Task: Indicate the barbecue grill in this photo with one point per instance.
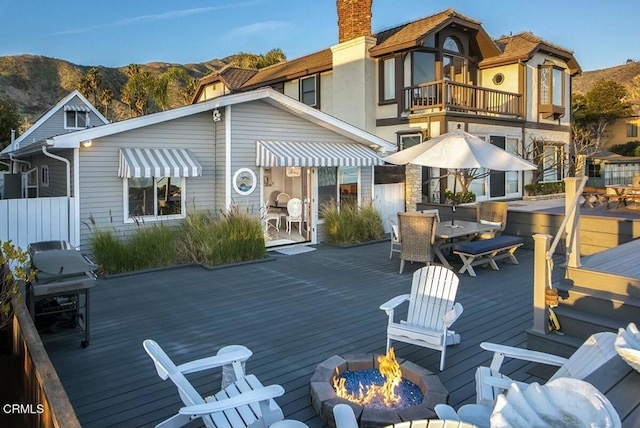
(61, 287)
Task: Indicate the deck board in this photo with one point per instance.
(621, 260)
(293, 313)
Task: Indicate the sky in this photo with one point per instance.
(116, 33)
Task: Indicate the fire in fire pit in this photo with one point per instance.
(324, 396)
(378, 388)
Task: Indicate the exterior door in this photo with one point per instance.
(497, 179)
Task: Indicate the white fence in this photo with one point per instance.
(24, 221)
(389, 199)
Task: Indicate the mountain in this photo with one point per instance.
(36, 83)
(622, 74)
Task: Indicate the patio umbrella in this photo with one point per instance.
(458, 150)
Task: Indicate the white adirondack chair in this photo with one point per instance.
(593, 353)
(345, 418)
(432, 310)
(244, 403)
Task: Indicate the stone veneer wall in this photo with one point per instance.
(413, 187)
(354, 19)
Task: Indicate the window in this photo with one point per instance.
(409, 140)
(338, 184)
(152, 197)
(551, 82)
(388, 80)
(423, 67)
(552, 162)
(452, 45)
(75, 119)
(44, 172)
(593, 170)
(632, 130)
(308, 91)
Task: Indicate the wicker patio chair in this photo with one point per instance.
(417, 234)
(495, 214)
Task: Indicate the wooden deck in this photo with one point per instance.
(622, 260)
(293, 312)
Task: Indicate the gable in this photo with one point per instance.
(53, 122)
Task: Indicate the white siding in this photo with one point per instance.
(101, 190)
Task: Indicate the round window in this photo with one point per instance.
(498, 78)
(244, 181)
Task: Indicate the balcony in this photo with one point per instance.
(444, 95)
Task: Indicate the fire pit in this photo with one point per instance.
(375, 413)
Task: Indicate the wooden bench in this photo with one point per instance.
(595, 196)
(487, 251)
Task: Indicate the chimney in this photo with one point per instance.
(354, 19)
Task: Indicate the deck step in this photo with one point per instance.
(604, 281)
(582, 325)
(604, 303)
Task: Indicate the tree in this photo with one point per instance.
(591, 113)
(257, 61)
(633, 93)
(94, 80)
(9, 119)
(601, 106)
(186, 84)
(106, 96)
(138, 90)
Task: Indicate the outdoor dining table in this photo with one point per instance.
(624, 193)
(448, 235)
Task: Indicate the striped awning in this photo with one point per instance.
(70, 107)
(139, 163)
(288, 153)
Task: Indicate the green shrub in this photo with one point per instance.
(232, 237)
(350, 225)
(544, 188)
(630, 148)
(149, 247)
(109, 253)
(459, 197)
(153, 247)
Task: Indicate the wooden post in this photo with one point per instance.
(572, 242)
(541, 244)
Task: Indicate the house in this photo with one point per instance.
(238, 149)
(426, 77)
(73, 113)
(623, 131)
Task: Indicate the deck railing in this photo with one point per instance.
(444, 95)
(544, 250)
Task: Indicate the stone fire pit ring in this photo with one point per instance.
(324, 397)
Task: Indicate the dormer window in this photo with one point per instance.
(309, 91)
(551, 91)
(76, 117)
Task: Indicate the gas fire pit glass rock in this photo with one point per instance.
(324, 397)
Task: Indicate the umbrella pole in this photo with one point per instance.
(453, 200)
